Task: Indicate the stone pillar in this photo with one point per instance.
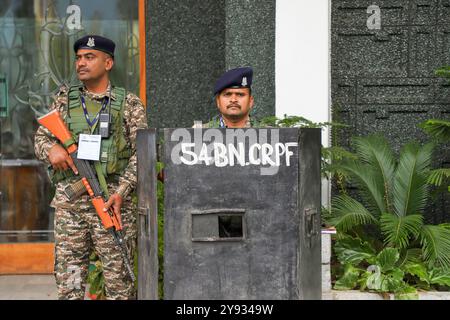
(190, 43)
(185, 54)
(250, 41)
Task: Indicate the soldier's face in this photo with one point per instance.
(235, 103)
(92, 64)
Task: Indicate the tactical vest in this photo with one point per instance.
(114, 154)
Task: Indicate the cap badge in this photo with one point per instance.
(244, 82)
(91, 42)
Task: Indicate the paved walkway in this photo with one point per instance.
(27, 287)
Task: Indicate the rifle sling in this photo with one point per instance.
(101, 178)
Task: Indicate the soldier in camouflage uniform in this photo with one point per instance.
(234, 100)
(78, 228)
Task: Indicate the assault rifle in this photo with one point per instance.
(110, 220)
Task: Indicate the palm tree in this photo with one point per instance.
(439, 130)
(393, 196)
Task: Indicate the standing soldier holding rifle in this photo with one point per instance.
(99, 146)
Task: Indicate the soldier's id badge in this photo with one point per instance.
(89, 146)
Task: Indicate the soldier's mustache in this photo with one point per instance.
(233, 105)
(82, 69)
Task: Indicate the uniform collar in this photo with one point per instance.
(98, 96)
(248, 123)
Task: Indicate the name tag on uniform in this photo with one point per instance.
(89, 146)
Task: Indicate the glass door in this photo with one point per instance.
(36, 57)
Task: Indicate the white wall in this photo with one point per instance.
(302, 60)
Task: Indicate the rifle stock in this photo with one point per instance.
(53, 122)
(110, 220)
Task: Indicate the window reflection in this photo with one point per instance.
(36, 57)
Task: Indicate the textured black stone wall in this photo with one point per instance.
(185, 54)
(383, 80)
(250, 41)
(190, 43)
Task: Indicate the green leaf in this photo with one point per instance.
(398, 230)
(417, 269)
(440, 276)
(394, 280)
(376, 152)
(410, 190)
(362, 281)
(353, 251)
(413, 255)
(270, 121)
(159, 166)
(437, 176)
(348, 213)
(294, 121)
(349, 279)
(437, 128)
(445, 225)
(443, 72)
(387, 258)
(369, 184)
(336, 153)
(407, 293)
(435, 241)
(332, 158)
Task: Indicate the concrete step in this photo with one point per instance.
(27, 287)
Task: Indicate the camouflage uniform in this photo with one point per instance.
(78, 229)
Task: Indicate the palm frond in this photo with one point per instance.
(443, 72)
(437, 176)
(332, 158)
(398, 230)
(437, 128)
(375, 151)
(349, 213)
(413, 255)
(435, 241)
(335, 154)
(369, 185)
(410, 190)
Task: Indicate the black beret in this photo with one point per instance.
(234, 78)
(95, 42)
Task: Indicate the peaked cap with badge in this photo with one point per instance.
(95, 42)
(234, 78)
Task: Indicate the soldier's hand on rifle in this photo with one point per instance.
(60, 159)
(115, 201)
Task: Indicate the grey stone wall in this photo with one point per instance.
(250, 41)
(383, 79)
(190, 43)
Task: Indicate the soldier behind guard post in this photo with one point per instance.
(78, 228)
(233, 96)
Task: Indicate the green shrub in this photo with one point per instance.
(383, 243)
